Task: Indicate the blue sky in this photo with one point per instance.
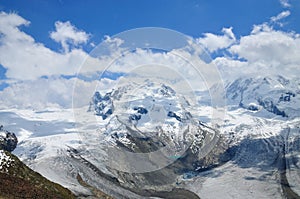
(108, 17)
(43, 43)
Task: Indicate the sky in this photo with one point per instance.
(44, 43)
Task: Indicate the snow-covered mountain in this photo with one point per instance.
(152, 119)
(274, 94)
(256, 149)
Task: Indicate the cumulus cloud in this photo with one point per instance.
(229, 63)
(264, 51)
(214, 42)
(37, 94)
(8, 24)
(269, 46)
(49, 92)
(285, 3)
(26, 59)
(67, 34)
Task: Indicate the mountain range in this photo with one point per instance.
(255, 149)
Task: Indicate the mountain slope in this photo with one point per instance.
(17, 180)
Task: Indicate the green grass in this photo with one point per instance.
(22, 182)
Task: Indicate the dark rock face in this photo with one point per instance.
(8, 140)
(134, 117)
(191, 161)
(172, 114)
(286, 97)
(141, 110)
(167, 91)
(269, 106)
(253, 107)
(102, 105)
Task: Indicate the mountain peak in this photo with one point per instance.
(274, 94)
(8, 140)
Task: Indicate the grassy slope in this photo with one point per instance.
(22, 182)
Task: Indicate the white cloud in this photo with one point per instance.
(264, 51)
(37, 94)
(229, 63)
(231, 68)
(269, 46)
(52, 92)
(285, 3)
(214, 42)
(67, 34)
(280, 16)
(8, 24)
(26, 59)
(176, 64)
(268, 51)
(261, 28)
